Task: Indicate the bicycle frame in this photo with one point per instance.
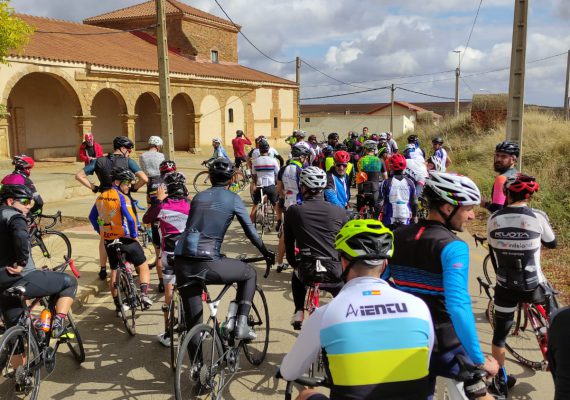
(313, 298)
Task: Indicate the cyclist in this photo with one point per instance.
(265, 170)
(440, 153)
(219, 152)
(375, 170)
(337, 191)
(89, 150)
(238, 143)
(301, 142)
(515, 234)
(17, 267)
(416, 167)
(376, 340)
(332, 139)
(23, 165)
(392, 143)
(431, 262)
(399, 194)
(292, 140)
(413, 149)
(559, 353)
(113, 217)
(311, 226)
(198, 250)
(254, 153)
(326, 158)
(316, 148)
(103, 168)
(434, 164)
(364, 135)
(383, 143)
(506, 154)
(353, 146)
(171, 212)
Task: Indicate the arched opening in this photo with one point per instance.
(107, 107)
(42, 108)
(234, 108)
(183, 122)
(211, 121)
(147, 108)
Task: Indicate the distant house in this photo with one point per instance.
(342, 118)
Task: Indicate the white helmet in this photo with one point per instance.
(314, 178)
(155, 141)
(217, 140)
(301, 133)
(370, 145)
(383, 136)
(454, 189)
(436, 161)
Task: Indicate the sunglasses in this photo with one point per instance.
(341, 165)
(25, 202)
(126, 182)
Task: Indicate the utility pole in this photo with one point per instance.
(515, 108)
(298, 80)
(567, 95)
(392, 90)
(166, 130)
(457, 75)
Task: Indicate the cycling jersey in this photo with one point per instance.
(171, 215)
(373, 166)
(416, 169)
(265, 168)
(289, 177)
(393, 146)
(431, 262)
(113, 216)
(441, 153)
(150, 163)
(15, 240)
(515, 234)
(238, 144)
(254, 153)
(400, 201)
(17, 178)
(103, 168)
(498, 197)
(337, 191)
(376, 342)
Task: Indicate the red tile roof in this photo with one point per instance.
(73, 42)
(148, 9)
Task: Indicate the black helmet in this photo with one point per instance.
(221, 171)
(437, 140)
(353, 134)
(239, 132)
(412, 139)
(167, 166)
(333, 136)
(341, 147)
(176, 184)
(299, 150)
(122, 174)
(16, 192)
(264, 146)
(122, 141)
(508, 147)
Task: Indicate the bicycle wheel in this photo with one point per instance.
(201, 181)
(49, 249)
(239, 181)
(125, 296)
(258, 220)
(269, 218)
(489, 270)
(200, 364)
(74, 343)
(258, 319)
(176, 327)
(19, 365)
(521, 341)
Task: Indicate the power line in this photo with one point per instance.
(470, 33)
(467, 84)
(430, 95)
(332, 77)
(386, 79)
(345, 94)
(249, 41)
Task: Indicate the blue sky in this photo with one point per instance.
(371, 40)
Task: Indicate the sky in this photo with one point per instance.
(370, 44)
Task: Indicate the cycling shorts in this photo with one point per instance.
(269, 191)
(132, 250)
(507, 300)
(155, 235)
(168, 274)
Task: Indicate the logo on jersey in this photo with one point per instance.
(511, 235)
(371, 293)
(377, 309)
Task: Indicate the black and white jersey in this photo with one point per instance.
(515, 235)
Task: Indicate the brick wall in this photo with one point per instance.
(206, 38)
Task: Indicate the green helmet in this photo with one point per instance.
(365, 239)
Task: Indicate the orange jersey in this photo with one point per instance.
(113, 216)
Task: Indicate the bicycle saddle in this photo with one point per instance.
(16, 291)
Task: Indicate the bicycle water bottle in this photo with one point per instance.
(45, 320)
(231, 318)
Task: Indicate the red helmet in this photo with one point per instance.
(341, 157)
(523, 184)
(23, 163)
(398, 162)
(167, 166)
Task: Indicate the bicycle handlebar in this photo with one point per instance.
(479, 239)
(268, 265)
(485, 286)
(55, 218)
(312, 382)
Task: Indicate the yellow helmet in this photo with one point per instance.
(365, 239)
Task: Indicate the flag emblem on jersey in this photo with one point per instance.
(371, 293)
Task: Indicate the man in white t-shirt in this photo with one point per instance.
(264, 171)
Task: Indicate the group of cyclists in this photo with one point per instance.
(399, 283)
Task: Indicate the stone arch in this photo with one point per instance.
(147, 109)
(183, 122)
(108, 107)
(235, 104)
(211, 120)
(44, 108)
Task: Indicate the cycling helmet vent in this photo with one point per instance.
(313, 178)
(508, 147)
(365, 240)
(454, 189)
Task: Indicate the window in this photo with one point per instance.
(214, 56)
(307, 119)
(231, 115)
(275, 122)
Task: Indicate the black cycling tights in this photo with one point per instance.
(218, 272)
(299, 290)
(37, 284)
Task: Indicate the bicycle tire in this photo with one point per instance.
(201, 181)
(176, 327)
(258, 319)
(258, 220)
(17, 336)
(56, 246)
(489, 270)
(127, 310)
(240, 180)
(194, 376)
(77, 350)
(521, 342)
(147, 245)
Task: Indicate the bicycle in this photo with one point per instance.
(238, 183)
(49, 246)
(488, 266)
(144, 235)
(210, 349)
(264, 215)
(25, 347)
(531, 320)
(128, 295)
(470, 380)
(176, 326)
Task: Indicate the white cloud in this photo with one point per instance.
(345, 54)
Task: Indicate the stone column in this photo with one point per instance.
(128, 121)
(4, 136)
(195, 146)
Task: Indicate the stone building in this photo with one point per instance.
(102, 77)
